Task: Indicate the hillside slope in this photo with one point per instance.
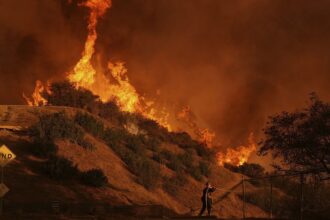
(33, 191)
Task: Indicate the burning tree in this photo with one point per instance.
(301, 139)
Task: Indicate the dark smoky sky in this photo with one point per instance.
(233, 61)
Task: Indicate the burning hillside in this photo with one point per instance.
(113, 84)
(237, 156)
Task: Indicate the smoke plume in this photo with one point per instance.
(233, 62)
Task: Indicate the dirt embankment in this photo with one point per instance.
(33, 191)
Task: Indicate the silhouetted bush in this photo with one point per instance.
(249, 169)
(186, 159)
(171, 160)
(57, 126)
(136, 144)
(115, 137)
(175, 164)
(204, 167)
(252, 170)
(167, 155)
(111, 112)
(131, 149)
(53, 127)
(156, 157)
(182, 162)
(66, 94)
(172, 184)
(182, 139)
(44, 148)
(196, 173)
(86, 144)
(146, 170)
(153, 128)
(60, 168)
(90, 124)
(205, 152)
(149, 175)
(94, 177)
(153, 144)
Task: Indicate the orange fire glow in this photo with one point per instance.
(121, 91)
(83, 73)
(239, 155)
(204, 135)
(118, 88)
(36, 98)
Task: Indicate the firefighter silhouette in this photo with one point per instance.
(207, 199)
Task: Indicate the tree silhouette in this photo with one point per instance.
(301, 139)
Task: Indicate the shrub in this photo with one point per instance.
(136, 144)
(53, 127)
(175, 164)
(94, 177)
(57, 126)
(115, 137)
(158, 158)
(166, 154)
(44, 148)
(182, 139)
(149, 175)
(154, 144)
(204, 152)
(252, 170)
(195, 172)
(146, 170)
(90, 124)
(153, 128)
(204, 167)
(186, 159)
(111, 112)
(86, 144)
(66, 94)
(172, 184)
(60, 168)
(249, 169)
(172, 161)
(132, 153)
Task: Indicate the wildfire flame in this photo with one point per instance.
(83, 73)
(239, 155)
(124, 93)
(204, 135)
(36, 98)
(121, 91)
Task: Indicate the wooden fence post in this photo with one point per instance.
(243, 189)
(301, 196)
(271, 199)
(1, 199)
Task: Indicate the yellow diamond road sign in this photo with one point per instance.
(3, 190)
(6, 155)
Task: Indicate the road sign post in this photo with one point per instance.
(6, 156)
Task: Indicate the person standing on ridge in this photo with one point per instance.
(207, 199)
